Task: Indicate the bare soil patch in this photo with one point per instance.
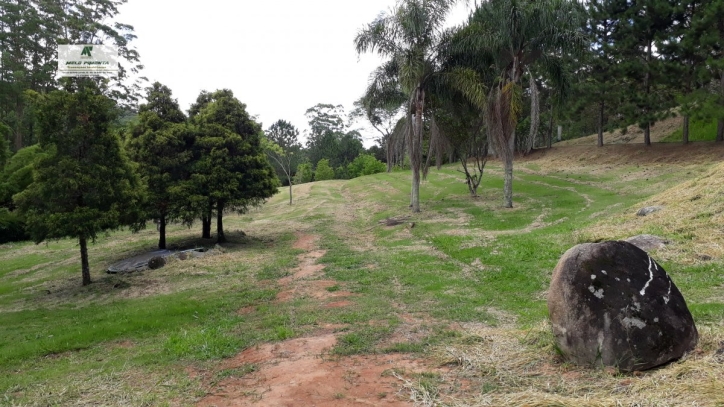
(299, 372)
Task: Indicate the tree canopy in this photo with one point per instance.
(84, 185)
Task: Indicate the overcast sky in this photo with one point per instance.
(278, 57)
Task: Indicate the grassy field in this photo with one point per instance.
(471, 275)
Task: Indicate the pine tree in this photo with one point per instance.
(642, 28)
(600, 83)
(160, 143)
(84, 185)
(230, 170)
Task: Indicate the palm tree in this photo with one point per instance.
(414, 42)
(515, 37)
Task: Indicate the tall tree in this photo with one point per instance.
(31, 30)
(382, 112)
(514, 35)
(231, 171)
(599, 79)
(644, 27)
(414, 42)
(283, 147)
(84, 185)
(161, 144)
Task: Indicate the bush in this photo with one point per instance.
(365, 164)
(342, 172)
(323, 171)
(12, 228)
(304, 173)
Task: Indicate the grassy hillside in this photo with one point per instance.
(460, 287)
(698, 131)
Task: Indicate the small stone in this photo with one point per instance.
(156, 262)
(183, 256)
(649, 210)
(647, 242)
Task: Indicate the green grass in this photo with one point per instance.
(465, 260)
(699, 130)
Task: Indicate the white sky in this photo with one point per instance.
(278, 57)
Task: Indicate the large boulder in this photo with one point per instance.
(611, 304)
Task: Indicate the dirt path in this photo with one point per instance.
(303, 371)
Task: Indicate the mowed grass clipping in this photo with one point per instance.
(462, 283)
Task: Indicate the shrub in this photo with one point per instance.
(12, 227)
(304, 173)
(323, 171)
(365, 164)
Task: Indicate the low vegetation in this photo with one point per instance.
(464, 288)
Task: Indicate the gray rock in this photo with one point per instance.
(156, 262)
(647, 242)
(649, 210)
(611, 304)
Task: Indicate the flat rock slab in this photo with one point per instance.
(611, 304)
(140, 262)
(137, 263)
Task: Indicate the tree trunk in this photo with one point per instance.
(647, 80)
(416, 149)
(290, 190)
(85, 268)
(18, 125)
(162, 232)
(206, 223)
(220, 237)
(685, 131)
(508, 186)
(534, 115)
(389, 150)
(647, 134)
(550, 129)
(600, 123)
(720, 122)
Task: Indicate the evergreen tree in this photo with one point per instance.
(687, 53)
(643, 28)
(323, 171)
(4, 144)
(84, 185)
(599, 84)
(30, 32)
(18, 174)
(230, 170)
(161, 144)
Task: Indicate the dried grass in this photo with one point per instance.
(521, 368)
(633, 134)
(693, 216)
